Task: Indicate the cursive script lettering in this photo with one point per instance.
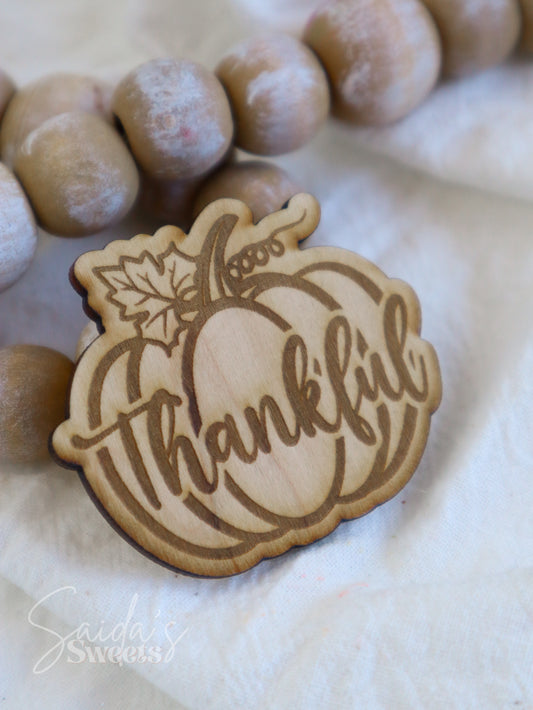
(375, 377)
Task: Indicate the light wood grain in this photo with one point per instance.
(245, 395)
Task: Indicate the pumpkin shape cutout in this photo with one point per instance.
(244, 395)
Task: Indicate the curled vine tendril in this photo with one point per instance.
(254, 255)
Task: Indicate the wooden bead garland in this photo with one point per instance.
(381, 58)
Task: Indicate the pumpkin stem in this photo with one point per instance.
(211, 265)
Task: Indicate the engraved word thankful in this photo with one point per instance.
(391, 379)
(245, 395)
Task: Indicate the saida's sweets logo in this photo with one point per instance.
(245, 395)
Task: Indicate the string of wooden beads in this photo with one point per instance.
(77, 155)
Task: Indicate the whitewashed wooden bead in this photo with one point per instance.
(46, 97)
(18, 230)
(476, 34)
(78, 174)
(33, 390)
(382, 56)
(279, 93)
(264, 187)
(176, 118)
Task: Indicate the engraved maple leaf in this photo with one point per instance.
(159, 294)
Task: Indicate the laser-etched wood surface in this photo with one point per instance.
(245, 395)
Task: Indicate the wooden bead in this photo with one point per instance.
(279, 93)
(526, 38)
(7, 89)
(18, 231)
(78, 174)
(476, 34)
(168, 201)
(34, 382)
(382, 56)
(87, 335)
(176, 117)
(264, 187)
(49, 96)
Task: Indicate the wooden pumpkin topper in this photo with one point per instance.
(245, 396)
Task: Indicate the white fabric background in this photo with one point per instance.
(428, 601)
